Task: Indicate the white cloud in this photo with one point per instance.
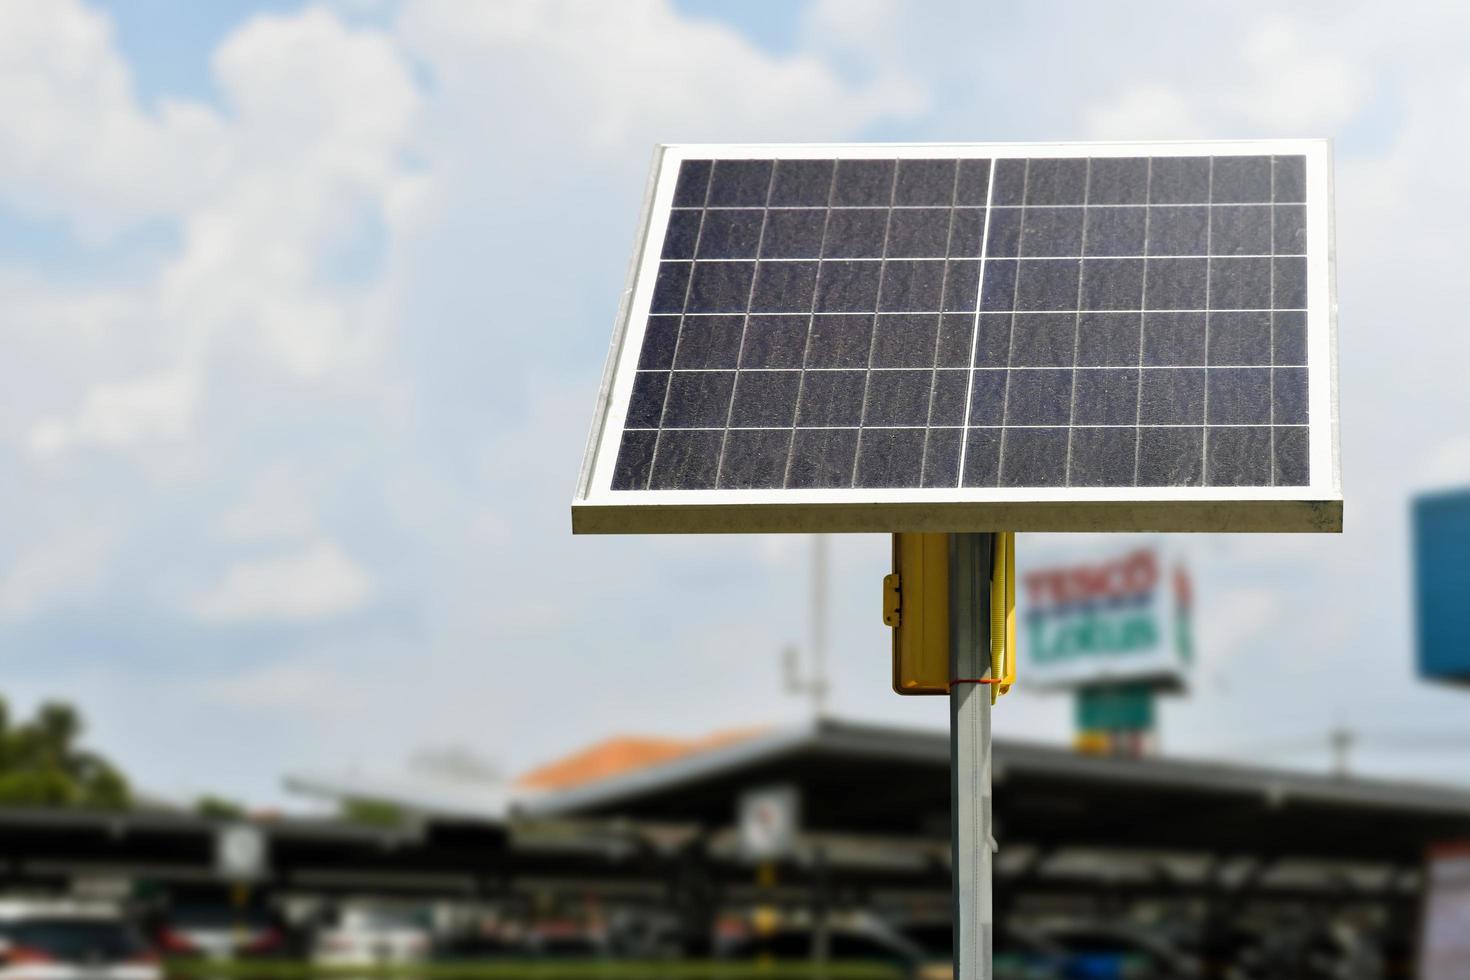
(276, 505)
(317, 582)
(123, 415)
(66, 565)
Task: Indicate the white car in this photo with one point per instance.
(71, 941)
(368, 935)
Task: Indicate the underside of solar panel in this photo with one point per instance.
(881, 337)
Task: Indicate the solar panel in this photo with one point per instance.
(970, 337)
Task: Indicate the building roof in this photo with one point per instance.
(625, 754)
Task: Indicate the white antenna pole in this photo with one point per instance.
(819, 624)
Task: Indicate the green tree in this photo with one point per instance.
(41, 763)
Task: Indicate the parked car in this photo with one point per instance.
(70, 941)
(221, 932)
(368, 935)
(1094, 952)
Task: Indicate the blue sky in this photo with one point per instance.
(304, 307)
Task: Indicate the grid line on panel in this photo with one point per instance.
(1271, 331)
(744, 327)
(975, 329)
(1077, 321)
(954, 189)
(811, 326)
(1019, 367)
(1200, 309)
(1000, 466)
(683, 311)
(999, 207)
(1027, 425)
(1209, 261)
(1016, 258)
(873, 333)
(1142, 319)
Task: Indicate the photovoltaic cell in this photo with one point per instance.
(1044, 322)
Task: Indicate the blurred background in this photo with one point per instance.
(303, 308)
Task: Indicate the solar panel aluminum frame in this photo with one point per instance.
(1317, 507)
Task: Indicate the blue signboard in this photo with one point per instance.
(1442, 587)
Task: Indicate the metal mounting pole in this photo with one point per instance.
(969, 755)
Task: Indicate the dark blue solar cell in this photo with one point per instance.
(1240, 338)
(659, 339)
(1112, 284)
(774, 341)
(947, 405)
(840, 341)
(905, 340)
(765, 398)
(754, 458)
(1239, 396)
(793, 234)
(1115, 231)
(980, 457)
(911, 285)
(1289, 394)
(956, 334)
(1290, 283)
(1003, 239)
(993, 340)
(1102, 457)
(1171, 396)
(831, 398)
(709, 342)
(692, 184)
(670, 287)
(1291, 457)
(635, 459)
(848, 287)
(698, 399)
(1242, 229)
(942, 457)
(924, 182)
(987, 397)
(1118, 180)
(1051, 232)
(1034, 457)
(1108, 338)
(1241, 179)
(1056, 180)
(898, 398)
(1010, 182)
(1039, 397)
(1238, 457)
(1172, 457)
(802, 183)
(1178, 231)
(1179, 180)
(740, 183)
(646, 403)
(961, 286)
(822, 458)
(1289, 337)
(720, 287)
(1047, 284)
(1043, 340)
(1106, 396)
(1175, 284)
(918, 233)
(1291, 179)
(1240, 284)
(998, 292)
(973, 182)
(1173, 339)
(1290, 234)
(856, 233)
(682, 234)
(966, 231)
(890, 457)
(784, 287)
(686, 460)
(863, 183)
(734, 234)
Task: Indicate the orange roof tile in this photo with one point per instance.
(623, 754)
